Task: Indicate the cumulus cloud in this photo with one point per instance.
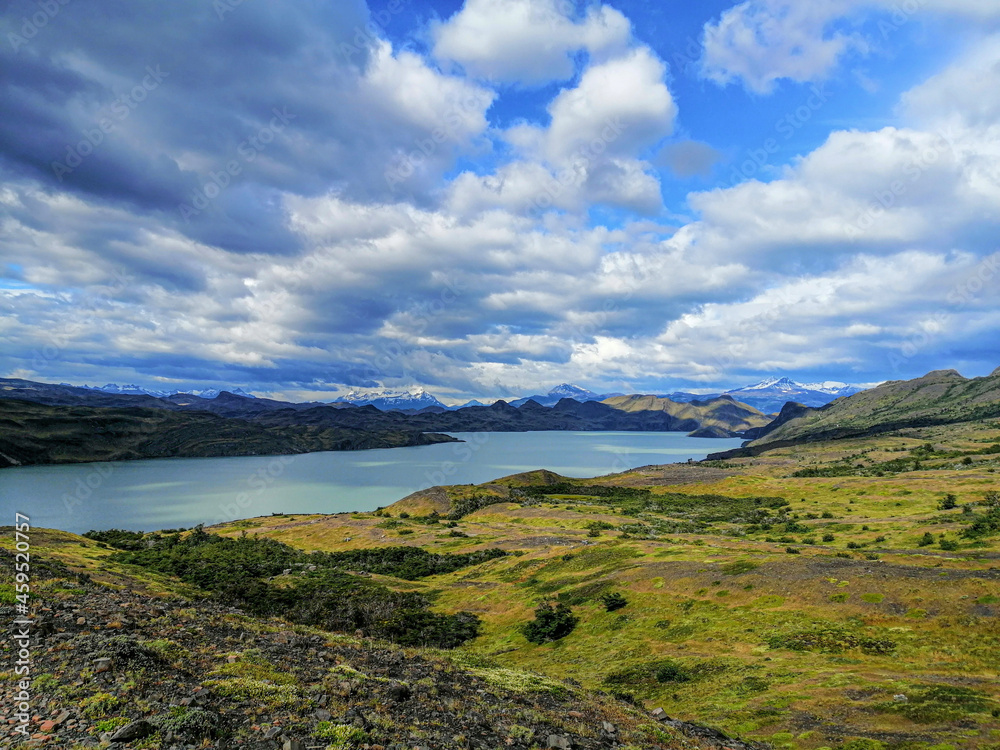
(351, 250)
(273, 101)
(590, 151)
(527, 41)
(760, 41)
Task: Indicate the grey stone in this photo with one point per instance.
(322, 714)
(608, 727)
(293, 745)
(660, 715)
(136, 730)
(560, 742)
(272, 733)
(102, 664)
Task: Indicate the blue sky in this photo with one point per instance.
(490, 197)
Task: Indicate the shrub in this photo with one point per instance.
(828, 537)
(948, 544)
(671, 671)
(793, 551)
(739, 567)
(343, 736)
(613, 601)
(830, 640)
(100, 704)
(933, 704)
(552, 622)
(862, 743)
(190, 722)
(926, 540)
(110, 725)
(950, 501)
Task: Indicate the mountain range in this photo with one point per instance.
(939, 397)
(46, 423)
(771, 394)
(768, 396)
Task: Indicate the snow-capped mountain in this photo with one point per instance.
(214, 393)
(770, 394)
(389, 400)
(135, 390)
(127, 390)
(565, 390)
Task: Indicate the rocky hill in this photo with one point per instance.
(32, 433)
(717, 417)
(938, 398)
(130, 670)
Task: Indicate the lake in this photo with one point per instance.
(172, 492)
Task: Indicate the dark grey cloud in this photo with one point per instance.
(218, 108)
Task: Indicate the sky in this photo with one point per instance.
(488, 198)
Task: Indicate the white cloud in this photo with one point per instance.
(623, 102)
(589, 153)
(760, 41)
(526, 41)
(965, 93)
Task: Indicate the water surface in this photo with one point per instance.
(167, 493)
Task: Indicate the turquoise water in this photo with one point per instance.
(166, 493)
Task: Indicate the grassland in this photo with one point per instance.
(806, 596)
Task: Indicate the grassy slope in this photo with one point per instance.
(721, 412)
(685, 604)
(938, 397)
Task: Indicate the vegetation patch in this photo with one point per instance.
(831, 640)
(239, 571)
(934, 704)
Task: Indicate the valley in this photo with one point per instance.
(823, 595)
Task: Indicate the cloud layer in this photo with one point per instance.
(291, 201)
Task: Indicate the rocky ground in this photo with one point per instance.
(124, 670)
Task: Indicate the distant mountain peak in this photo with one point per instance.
(388, 399)
(131, 389)
(569, 390)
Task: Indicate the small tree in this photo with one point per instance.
(950, 502)
(614, 601)
(552, 622)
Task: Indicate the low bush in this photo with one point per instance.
(613, 601)
(552, 622)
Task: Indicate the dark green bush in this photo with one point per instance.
(613, 601)
(552, 622)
